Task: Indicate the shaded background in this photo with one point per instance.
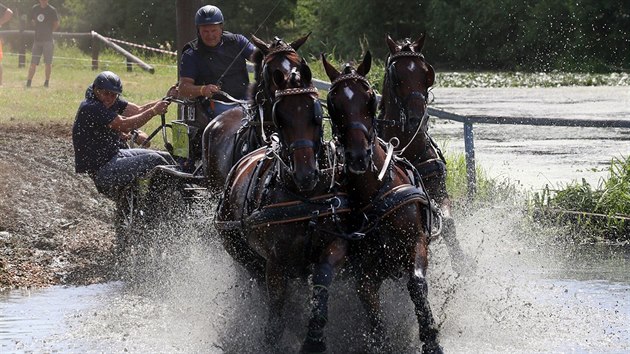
(538, 35)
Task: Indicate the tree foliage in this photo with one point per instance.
(528, 35)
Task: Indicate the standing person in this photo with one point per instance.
(102, 125)
(6, 16)
(214, 61)
(45, 19)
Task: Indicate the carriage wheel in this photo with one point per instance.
(128, 214)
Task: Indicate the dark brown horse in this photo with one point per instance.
(404, 115)
(391, 199)
(278, 216)
(241, 130)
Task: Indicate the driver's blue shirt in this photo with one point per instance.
(226, 62)
(94, 142)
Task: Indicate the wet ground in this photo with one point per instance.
(525, 295)
(528, 293)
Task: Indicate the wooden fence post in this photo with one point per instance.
(471, 171)
(96, 48)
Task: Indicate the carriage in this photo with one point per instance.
(166, 188)
(205, 149)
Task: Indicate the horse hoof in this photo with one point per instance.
(311, 346)
(432, 348)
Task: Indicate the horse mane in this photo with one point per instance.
(405, 45)
(348, 69)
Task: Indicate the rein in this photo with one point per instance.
(423, 121)
(235, 100)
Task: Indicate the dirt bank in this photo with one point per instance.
(54, 226)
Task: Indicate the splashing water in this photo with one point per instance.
(187, 295)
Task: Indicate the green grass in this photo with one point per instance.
(488, 190)
(600, 213)
(71, 75)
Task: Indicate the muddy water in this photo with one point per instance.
(525, 295)
(533, 156)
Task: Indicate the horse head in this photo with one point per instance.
(408, 77)
(352, 110)
(297, 115)
(276, 56)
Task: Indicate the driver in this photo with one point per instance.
(103, 125)
(214, 61)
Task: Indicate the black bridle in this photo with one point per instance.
(370, 134)
(264, 97)
(402, 103)
(290, 149)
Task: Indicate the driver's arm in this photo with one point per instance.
(133, 109)
(188, 89)
(125, 124)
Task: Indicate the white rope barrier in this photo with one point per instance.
(142, 46)
(87, 60)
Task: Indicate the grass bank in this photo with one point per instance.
(589, 213)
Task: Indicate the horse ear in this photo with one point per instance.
(296, 44)
(305, 73)
(417, 46)
(366, 64)
(393, 48)
(264, 47)
(430, 75)
(330, 70)
(278, 78)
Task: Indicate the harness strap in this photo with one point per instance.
(430, 168)
(391, 201)
(297, 210)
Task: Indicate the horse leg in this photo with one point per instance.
(323, 274)
(461, 263)
(367, 290)
(276, 293)
(419, 291)
(436, 186)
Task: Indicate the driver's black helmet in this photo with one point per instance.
(109, 81)
(208, 15)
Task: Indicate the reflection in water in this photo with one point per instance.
(525, 296)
